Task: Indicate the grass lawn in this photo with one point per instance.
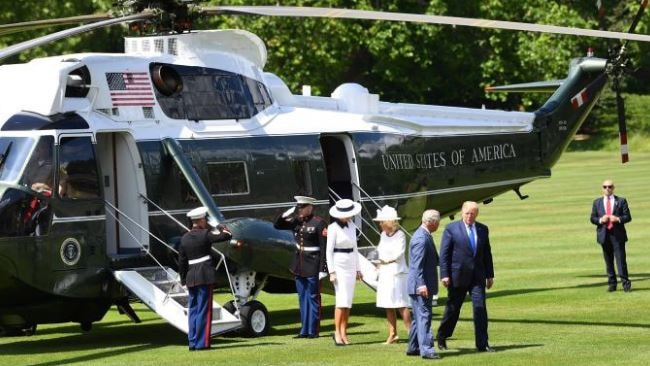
(549, 305)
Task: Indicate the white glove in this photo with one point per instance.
(322, 275)
(213, 223)
(288, 212)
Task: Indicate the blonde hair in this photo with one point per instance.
(389, 225)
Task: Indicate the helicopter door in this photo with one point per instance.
(341, 168)
(123, 182)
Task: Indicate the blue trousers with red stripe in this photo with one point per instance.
(309, 299)
(199, 316)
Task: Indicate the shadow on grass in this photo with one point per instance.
(95, 356)
(124, 339)
(454, 352)
(500, 293)
(75, 328)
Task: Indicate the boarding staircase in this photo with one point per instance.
(159, 288)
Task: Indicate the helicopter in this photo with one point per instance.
(99, 165)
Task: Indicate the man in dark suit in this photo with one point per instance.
(610, 213)
(422, 283)
(466, 267)
(196, 269)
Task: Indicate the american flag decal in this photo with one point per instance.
(579, 99)
(130, 89)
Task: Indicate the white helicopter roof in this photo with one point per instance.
(39, 86)
(199, 44)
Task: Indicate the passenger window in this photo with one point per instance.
(228, 178)
(302, 174)
(78, 178)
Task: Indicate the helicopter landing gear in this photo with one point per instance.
(253, 314)
(27, 330)
(255, 319)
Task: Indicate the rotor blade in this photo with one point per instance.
(637, 17)
(38, 24)
(19, 47)
(547, 86)
(622, 128)
(290, 11)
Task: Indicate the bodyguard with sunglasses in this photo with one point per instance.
(610, 213)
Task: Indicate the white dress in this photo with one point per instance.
(391, 284)
(345, 265)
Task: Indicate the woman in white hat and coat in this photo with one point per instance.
(392, 292)
(343, 263)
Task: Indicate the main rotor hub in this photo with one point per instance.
(168, 16)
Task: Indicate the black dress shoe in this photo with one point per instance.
(300, 336)
(412, 353)
(312, 336)
(486, 349)
(627, 288)
(192, 349)
(611, 289)
(442, 344)
(431, 357)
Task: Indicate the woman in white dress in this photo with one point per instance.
(392, 292)
(342, 264)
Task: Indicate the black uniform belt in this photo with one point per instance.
(343, 250)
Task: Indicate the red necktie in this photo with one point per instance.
(608, 211)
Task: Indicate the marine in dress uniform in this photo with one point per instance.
(309, 260)
(197, 272)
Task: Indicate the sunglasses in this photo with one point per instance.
(608, 187)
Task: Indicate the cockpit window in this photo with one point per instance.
(13, 153)
(39, 172)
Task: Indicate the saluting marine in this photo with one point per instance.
(196, 269)
(309, 261)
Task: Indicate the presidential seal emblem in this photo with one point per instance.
(70, 251)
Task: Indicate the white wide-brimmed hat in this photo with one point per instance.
(304, 200)
(197, 213)
(345, 208)
(386, 213)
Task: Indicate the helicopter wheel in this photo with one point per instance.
(30, 330)
(27, 330)
(86, 326)
(255, 319)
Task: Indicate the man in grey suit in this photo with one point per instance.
(610, 213)
(466, 267)
(422, 283)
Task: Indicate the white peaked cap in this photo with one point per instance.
(304, 200)
(197, 213)
(345, 208)
(386, 213)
